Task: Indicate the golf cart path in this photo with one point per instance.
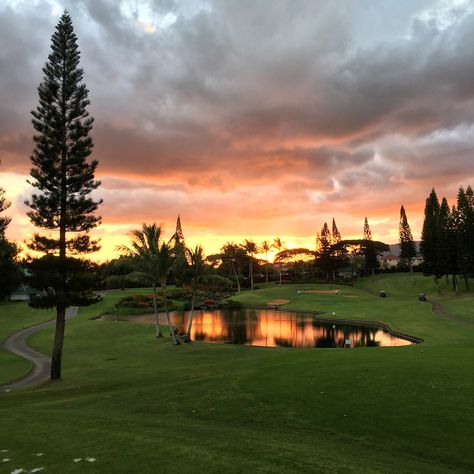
(16, 343)
(439, 311)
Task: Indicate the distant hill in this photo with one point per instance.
(395, 248)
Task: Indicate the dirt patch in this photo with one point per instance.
(277, 302)
(440, 312)
(319, 292)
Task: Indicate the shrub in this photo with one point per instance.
(113, 282)
(177, 293)
(209, 302)
(234, 304)
(140, 301)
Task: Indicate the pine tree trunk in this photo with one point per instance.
(159, 333)
(190, 324)
(373, 273)
(251, 276)
(466, 282)
(56, 358)
(435, 278)
(172, 332)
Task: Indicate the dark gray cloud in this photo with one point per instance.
(316, 100)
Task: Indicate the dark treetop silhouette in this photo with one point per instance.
(64, 178)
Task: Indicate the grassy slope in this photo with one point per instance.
(141, 405)
(14, 317)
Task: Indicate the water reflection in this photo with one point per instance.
(274, 328)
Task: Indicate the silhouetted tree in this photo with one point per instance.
(198, 269)
(200, 276)
(233, 255)
(165, 263)
(265, 248)
(62, 175)
(10, 273)
(453, 247)
(465, 233)
(370, 253)
(336, 235)
(443, 244)
(177, 246)
(251, 248)
(4, 205)
(407, 244)
(428, 234)
(324, 251)
(278, 245)
(145, 249)
(298, 256)
(357, 250)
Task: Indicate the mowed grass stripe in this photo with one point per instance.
(140, 404)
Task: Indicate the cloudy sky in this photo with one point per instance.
(254, 119)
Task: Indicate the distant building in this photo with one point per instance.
(22, 293)
(389, 261)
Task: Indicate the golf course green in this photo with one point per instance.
(129, 402)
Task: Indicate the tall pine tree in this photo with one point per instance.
(4, 205)
(324, 251)
(453, 226)
(428, 234)
(443, 241)
(64, 179)
(336, 235)
(177, 246)
(465, 233)
(370, 253)
(10, 274)
(407, 244)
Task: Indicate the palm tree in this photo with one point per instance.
(231, 253)
(198, 267)
(278, 245)
(266, 247)
(145, 247)
(201, 274)
(251, 248)
(165, 262)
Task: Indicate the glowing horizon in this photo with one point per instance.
(253, 122)
(114, 234)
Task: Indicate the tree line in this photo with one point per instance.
(447, 238)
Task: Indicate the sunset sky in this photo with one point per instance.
(253, 119)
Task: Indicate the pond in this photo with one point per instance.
(275, 328)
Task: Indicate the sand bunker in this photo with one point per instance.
(277, 302)
(320, 292)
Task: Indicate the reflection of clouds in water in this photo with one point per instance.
(272, 328)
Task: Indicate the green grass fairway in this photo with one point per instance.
(138, 404)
